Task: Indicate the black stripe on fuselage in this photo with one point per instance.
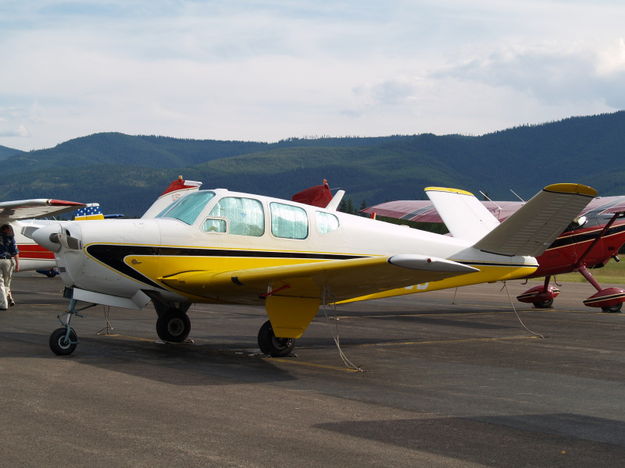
(113, 256)
(585, 236)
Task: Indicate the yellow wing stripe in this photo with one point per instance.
(450, 190)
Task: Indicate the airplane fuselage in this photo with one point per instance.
(131, 255)
(572, 246)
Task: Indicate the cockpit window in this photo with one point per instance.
(187, 208)
(577, 223)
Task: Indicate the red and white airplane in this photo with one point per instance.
(590, 241)
(21, 213)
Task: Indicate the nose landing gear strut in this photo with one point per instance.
(63, 340)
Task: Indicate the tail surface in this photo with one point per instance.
(534, 227)
(529, 231)
(463, 214)
(89, 211)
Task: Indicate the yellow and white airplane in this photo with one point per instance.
(218, 246)
(32, 213)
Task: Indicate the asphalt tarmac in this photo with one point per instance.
(450, 378)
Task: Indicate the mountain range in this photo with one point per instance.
(125, 173)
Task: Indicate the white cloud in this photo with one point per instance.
(274, 69)
(20, 131)
(550, 76)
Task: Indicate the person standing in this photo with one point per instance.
(9, 262)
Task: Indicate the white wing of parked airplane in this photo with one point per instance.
(35, 208)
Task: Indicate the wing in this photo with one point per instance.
(419, 211)
(605, 206)
(337, 279)
(423, 211)
(35, 208)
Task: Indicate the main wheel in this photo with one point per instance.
(270, 344)
(546, 304)
(613, 309)
(60, 345)
(173, 326)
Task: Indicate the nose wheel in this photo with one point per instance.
(63, 341)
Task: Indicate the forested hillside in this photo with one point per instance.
(6, 152)
(126, 172)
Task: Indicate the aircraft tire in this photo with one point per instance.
(612, 309)
(546, 304)
(271, 345)
(173, 326)
(58, 343)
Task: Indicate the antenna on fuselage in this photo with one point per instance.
(499, 208)
(336, 200)
(517, 195)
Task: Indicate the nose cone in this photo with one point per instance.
(47, 237)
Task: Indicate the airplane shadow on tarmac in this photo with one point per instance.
(176, 364)
(525, 440)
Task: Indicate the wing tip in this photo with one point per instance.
(578, 189)
(446, 189)
(53, 202)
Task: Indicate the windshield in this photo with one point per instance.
(187, 208)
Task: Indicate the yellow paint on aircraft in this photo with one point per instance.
(572, 188)
(487, 274)
(290, 316)
(445, 189)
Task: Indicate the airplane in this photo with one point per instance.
(218, 246)
(29, 213)
(21, 213)
(590, 241)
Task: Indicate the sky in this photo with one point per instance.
(266, 70)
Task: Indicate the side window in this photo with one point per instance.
(245, 217)
(289, 222)
(326, 222)
(214, 225)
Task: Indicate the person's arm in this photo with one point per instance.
(17, 262)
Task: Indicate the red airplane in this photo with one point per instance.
(592, 239)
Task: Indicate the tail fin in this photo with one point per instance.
(89, 211)
(177, 189)
(533, 228)
(463, 214)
